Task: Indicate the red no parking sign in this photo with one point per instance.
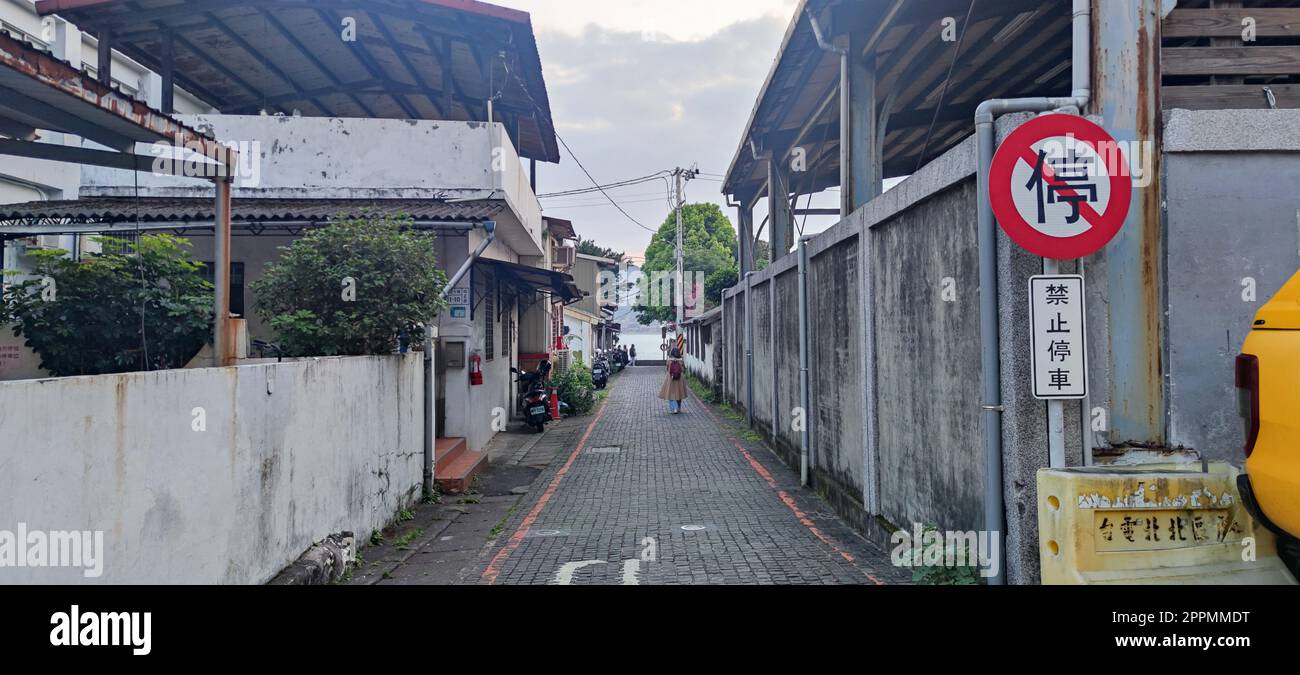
(1060, 187)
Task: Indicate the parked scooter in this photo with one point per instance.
(534, 395)
(600, 372)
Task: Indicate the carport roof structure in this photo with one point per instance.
(411, 59)
(1008, 48)
(40, 92)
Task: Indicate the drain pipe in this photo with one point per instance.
(822, 42)
(990, 363)
(805, 388)
(490, 228)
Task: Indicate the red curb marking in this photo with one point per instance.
(785, 496)
(494, 568)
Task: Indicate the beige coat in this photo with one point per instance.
(674, 390)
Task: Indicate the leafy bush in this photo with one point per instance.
(576, 389)
(944, 574)
(352, 288)
(135, 306)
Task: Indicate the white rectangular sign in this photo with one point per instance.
(1058, 336)
(458, 296)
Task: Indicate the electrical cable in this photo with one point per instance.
(961, 40)
(577, 161)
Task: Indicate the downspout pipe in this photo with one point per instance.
(990, 358)
(805, 385)
(490, 228)
(822, 42)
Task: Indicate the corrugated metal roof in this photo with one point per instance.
(1010, 48)
(411, 59)
(168, 210)
(558, 284)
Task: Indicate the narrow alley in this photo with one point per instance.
(643, 497)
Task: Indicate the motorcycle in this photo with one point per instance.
(600, 373)
(535, 399)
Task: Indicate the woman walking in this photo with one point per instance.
(674, 389)
(632, 354)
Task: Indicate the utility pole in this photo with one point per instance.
(681, 175)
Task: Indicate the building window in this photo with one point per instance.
(489, 316)
(507, 332)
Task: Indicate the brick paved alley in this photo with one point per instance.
(649, 498)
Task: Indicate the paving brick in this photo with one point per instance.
(671, 471)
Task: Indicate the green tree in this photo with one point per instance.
(352, 288)
(709, 245)
(723, 279)
(134, 306)
(590, 247)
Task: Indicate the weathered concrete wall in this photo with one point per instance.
(834, 294)
(1233, 218)
(324, 158)
(759, 304)
(787, 356)
(928, 363)
(895, 411)
(290, 453)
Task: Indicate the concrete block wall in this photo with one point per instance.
(894, 367)
(288, 454)
(927, 366)
(1230, 184)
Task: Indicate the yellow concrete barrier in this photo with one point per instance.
(1153, 524)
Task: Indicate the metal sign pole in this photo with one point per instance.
(1055, 407)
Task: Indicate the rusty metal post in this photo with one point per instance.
(105, 61)
(1126, 51)
(168, 73)
(859, 150)
(223, 343)
(780, 220)
(745, 237)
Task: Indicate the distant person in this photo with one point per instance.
(674, 389)
(631, 353)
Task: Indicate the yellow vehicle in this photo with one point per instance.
(1268, 390)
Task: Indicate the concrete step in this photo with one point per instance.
(446, 450)
(456, 465)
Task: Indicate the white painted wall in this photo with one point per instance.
(355, 158)
(292, 452)
(582, 334)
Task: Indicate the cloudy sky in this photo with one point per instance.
(637, 87)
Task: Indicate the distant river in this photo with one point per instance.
(647, 344)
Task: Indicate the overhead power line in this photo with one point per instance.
(524, 87)
(608, 186)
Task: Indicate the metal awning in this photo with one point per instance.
(411, 59)
(560, 228)
(1009, 48)
(558, 285)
